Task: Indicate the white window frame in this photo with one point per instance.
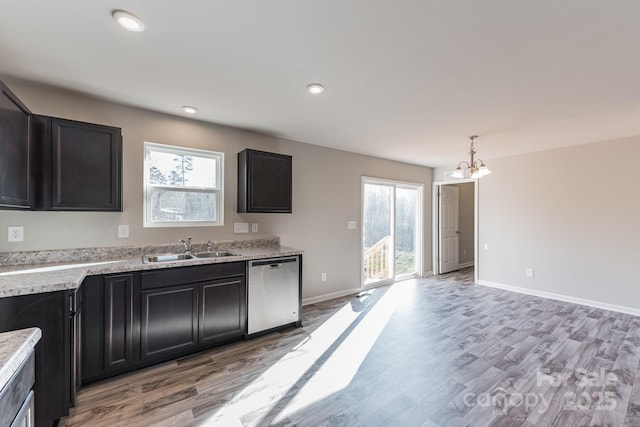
(218, 190)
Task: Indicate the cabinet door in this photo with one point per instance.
(118, 322)
(222, 310)
(169, 321)
(86, 163)
(15, 143)
(92, 329)
(264, 182)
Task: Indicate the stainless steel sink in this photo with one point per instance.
(182, 257)
(216, 254)
(166, 258)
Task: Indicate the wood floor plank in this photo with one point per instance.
(632, 417)
(430, 352)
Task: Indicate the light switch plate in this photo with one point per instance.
(240, 227)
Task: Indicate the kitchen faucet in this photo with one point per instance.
(187, 245)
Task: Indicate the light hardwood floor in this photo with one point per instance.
(428, 352)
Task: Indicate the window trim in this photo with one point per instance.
(148, 192)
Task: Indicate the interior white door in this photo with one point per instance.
(448, 229)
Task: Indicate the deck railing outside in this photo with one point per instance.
(376, 260)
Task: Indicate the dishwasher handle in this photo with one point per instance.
(272, 263)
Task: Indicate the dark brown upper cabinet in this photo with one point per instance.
(264, 182)
(15, 152)
(80, 165)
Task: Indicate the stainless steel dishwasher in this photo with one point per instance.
(274, 294)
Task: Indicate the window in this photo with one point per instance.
(182, 186)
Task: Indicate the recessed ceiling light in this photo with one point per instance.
(315, 88)
(189, 109)
(128, 21)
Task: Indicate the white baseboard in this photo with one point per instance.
(565, 298)
(427, 273)
(465, 264)
(332, 295)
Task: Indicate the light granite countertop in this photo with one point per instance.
(40, 278)
(15, 347)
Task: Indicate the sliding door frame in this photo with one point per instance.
(418, 232)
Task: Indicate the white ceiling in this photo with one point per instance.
(405, 79)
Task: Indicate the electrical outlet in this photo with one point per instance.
(528, 272)
(15, 233)
(351, 225)
(123, 231)
(323, 277)
(254, 227)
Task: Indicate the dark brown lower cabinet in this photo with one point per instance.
(138, 319)
(118, 322)
(50, 313)
(169, 321)
(107, 333)
(92, 335)
(222, 310)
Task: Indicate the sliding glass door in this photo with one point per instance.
(406, 239)
(377, 232)
(391, 231)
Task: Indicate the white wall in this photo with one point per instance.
(572, 215)
(326, 190)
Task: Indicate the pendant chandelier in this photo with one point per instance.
(476, 167)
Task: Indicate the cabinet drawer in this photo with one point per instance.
(182, 275)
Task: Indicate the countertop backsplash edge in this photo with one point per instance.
(54, 256)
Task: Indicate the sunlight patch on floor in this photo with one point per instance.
(341, 367)
(264, 392)
(258, 399)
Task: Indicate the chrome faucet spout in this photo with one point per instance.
(187, 245)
